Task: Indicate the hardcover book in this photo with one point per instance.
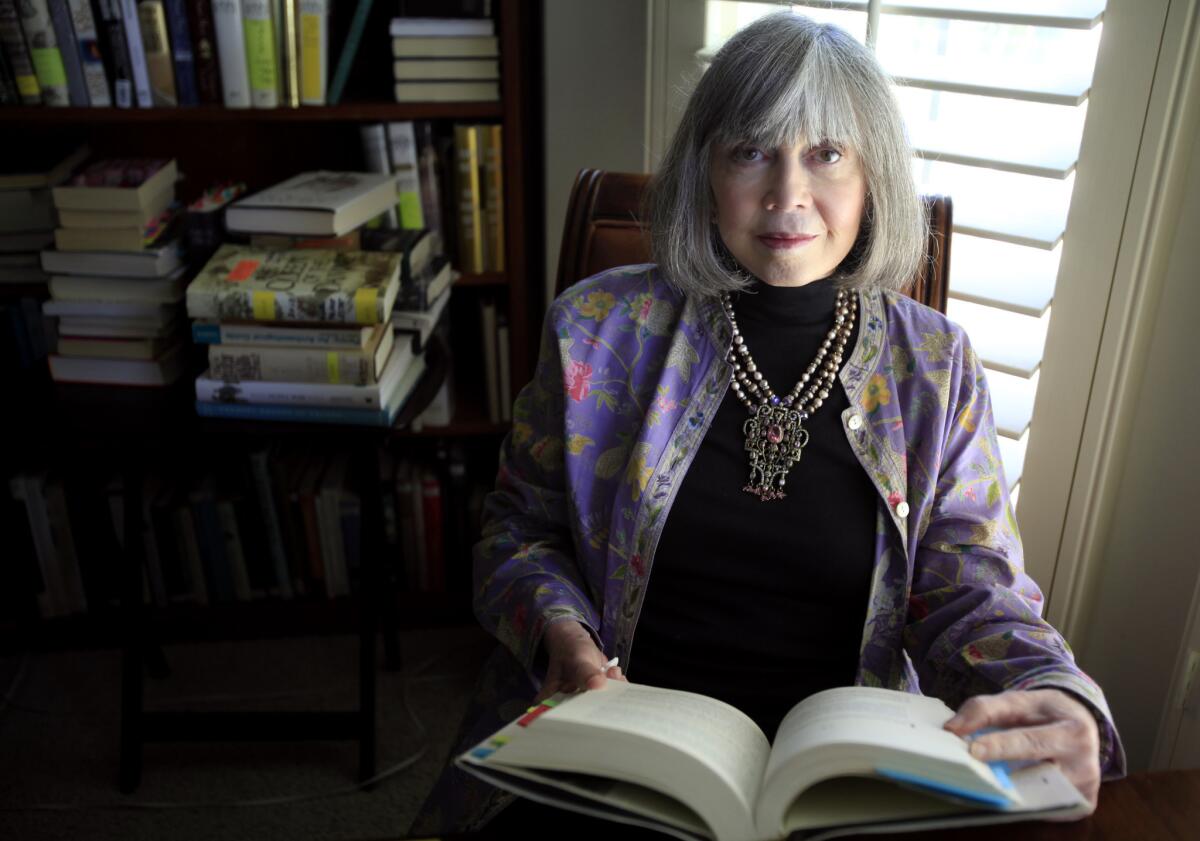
(441, 47)
(248, 284)
(158, 261)
(845, 761)
(315, 203)
(123, 184)
(234, 363)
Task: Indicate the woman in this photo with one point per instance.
(758, 460)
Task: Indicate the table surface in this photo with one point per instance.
(1146, 806)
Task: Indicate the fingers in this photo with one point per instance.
(1008, 709)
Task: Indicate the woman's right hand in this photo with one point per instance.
(574, 660)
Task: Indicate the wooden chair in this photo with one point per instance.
(602, 230)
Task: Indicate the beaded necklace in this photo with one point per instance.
(774, 432)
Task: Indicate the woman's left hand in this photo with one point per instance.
(1037, 724)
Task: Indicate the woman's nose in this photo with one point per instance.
(789, 186)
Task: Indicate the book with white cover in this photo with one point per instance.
(128, 10)
(319, 203)
(442, 91)
(442, 68)
(231, 53)
(485, 46)
(160, 290)
(158, 261)
(376, 396)
(145, 372)
(845, 761)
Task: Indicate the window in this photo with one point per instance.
(994, 94)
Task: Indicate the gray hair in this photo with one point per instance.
(781, 78)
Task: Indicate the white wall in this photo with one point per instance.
(595, 99)
(1151, 559)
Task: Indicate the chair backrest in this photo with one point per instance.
(602, 230)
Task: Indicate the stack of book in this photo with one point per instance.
(446, 59)
(117, 275)
(302, 333)
(27, 222)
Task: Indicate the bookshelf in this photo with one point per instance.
(71, 427)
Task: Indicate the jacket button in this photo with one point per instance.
(902, 509)
(855, 421)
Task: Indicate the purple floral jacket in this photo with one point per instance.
(629, 377)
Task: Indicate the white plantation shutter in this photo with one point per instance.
(994, 95)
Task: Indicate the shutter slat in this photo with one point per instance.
(1061, 14)
(1004, 341)
(1032, 84)
(1001, 275)
(1012, 403)
(1011, 148)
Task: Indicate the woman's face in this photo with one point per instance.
(791, 214)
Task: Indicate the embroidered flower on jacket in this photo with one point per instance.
(877, 393)
(637, 564)
(597, 305)
(578, 380)
(640, 306)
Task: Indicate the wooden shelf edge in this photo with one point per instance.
(348, 112)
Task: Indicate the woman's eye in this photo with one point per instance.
(747, 154)
(828, 155)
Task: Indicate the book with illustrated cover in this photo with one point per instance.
(845, 761)
(315, 203)
(248, 284)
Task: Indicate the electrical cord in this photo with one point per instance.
(389, 772)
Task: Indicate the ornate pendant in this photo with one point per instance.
(774, 439)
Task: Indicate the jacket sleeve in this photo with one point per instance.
(974, 621)
(525, 572)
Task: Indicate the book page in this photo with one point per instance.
(720, 736)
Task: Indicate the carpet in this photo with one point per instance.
(59, 742)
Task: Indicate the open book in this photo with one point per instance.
(852, 759)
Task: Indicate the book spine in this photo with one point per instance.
(204, 51)
(402, 148)
(333, 551)
(349, 49)
(25, 489)
(470, 209)
(44, 52)
(331, 308)
(181, 52)
(68, 48)
(116, 53)
(261, 61)
(12, 38)
(307, 499)
(95, 77)
(231, 52)
(427, 169)
(504, 376)
(128, 10)
(270, 515)
(491, 365)
(313, 35)
(298, 365)
(493, 169)
(289, 56)
(208, 332)
(257, 392)
(293, 413)
(375, 157)
(152, 19)
(188, 549)
(233, 550)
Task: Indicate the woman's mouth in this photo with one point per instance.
(782, 241)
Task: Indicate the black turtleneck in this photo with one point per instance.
(757, 603)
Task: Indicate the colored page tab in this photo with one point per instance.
(532, 714)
